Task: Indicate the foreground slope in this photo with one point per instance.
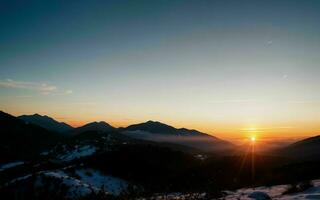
(20, 140)
(277, 192)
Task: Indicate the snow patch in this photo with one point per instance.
(11, 165)
(45, 153)
(18, 179)
(76, 188)
(79, 183)
(110, 184)
(274, 192)
(77, 153)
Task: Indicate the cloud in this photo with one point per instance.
(234, 101)
(263, 129)
(305, 102)
(68, 92)
(84, 103)
(42, 88)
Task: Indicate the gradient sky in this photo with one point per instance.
(228, 68)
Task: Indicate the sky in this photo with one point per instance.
(228, 68)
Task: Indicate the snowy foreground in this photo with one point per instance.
(82, 181)
(259, 193)
(78, 182)
(274, 192)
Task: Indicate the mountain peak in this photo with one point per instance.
(46, 122)
(102, 122)
(36, 115)
(160, 132)
(97, 123)
(154, 127)
(151, 122)
(100, 126)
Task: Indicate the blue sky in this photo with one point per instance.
(218, 66)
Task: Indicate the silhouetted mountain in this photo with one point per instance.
(21, 140)
(159, 132)
(93, 126)
(46, 122)
(307, 149)
(161, 128)
(152, 127)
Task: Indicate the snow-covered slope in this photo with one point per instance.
(109, 183)
(74, 182)
(77, 153)
(274, 192)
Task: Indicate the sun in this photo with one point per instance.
(253, 138)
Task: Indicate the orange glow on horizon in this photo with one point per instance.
(226, 132)
(237, 132)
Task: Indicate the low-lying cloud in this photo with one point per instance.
(42, 88)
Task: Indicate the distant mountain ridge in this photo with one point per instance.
(160, 132)
(161, 128)
(93, 126)
(150, 131)
(308, 148)
(46, 122)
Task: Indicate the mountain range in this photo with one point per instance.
(40, 131)
(176, 159)
(150, 131)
